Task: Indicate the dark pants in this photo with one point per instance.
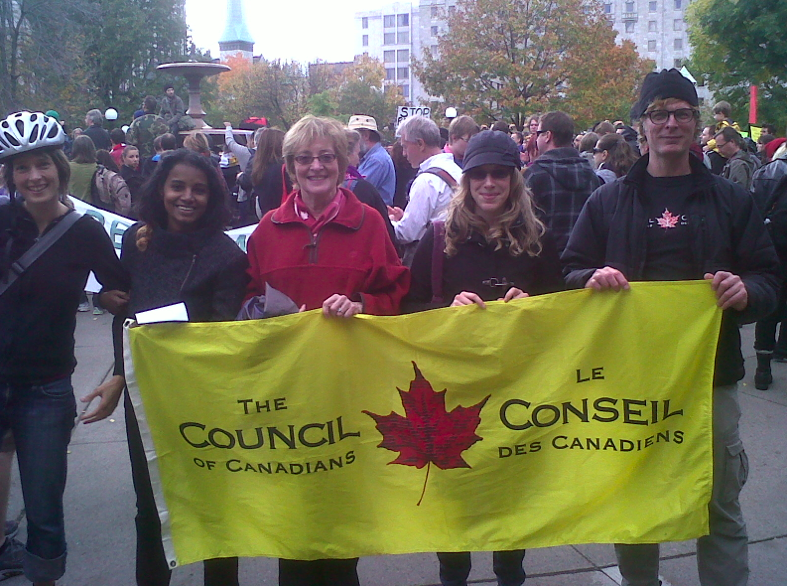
(765, 329)
(152, 568)
(507, 565)
(41, 418)
(318, 572)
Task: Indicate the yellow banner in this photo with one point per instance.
(569, 418)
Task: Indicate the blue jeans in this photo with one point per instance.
(41, 418)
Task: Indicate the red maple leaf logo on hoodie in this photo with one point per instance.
(428, 433)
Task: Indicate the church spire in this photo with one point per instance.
(236, 37)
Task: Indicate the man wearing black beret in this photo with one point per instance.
(670, 219)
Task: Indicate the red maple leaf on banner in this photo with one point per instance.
(428, 433)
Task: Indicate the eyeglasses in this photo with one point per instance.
(597, 151)
(682, 115)
(325, 159)
(540, 132)
(477, 174)
(720, 144)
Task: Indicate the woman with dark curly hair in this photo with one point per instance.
(177, 252)
(613, 156)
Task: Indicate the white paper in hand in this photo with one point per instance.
(168, 313)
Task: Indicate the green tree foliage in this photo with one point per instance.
(39, 53)
(274, 89)
(74, 55)
(283, 92)
(360, 91)
(502, 59)
(124, 42)
(737, 44)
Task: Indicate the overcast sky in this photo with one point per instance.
(282, 29)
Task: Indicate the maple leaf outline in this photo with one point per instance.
(428, 434)
(667, 220)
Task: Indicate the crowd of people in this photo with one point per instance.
(346, 225)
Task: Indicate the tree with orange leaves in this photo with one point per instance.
(502, 59)
(274, 89)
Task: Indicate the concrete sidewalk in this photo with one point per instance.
(100, 503)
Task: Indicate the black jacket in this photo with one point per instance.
(205, 271)
(368, 194)
(134, 179)
(268, 192)
(99, 136)
(727, 235)
(38, 312)
(479, 268)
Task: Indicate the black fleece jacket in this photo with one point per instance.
(206, 271)
(728, 234)
(38, 312)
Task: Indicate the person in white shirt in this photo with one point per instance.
(433, 186)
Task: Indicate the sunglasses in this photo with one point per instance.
(597, 151)
(540, 132)
(478, 174)
(325, 159)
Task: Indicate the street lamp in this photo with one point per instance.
(111, 114)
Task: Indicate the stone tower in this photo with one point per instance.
(236, 39)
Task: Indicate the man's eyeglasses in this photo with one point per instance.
(681, 115)
(597, 151)
(540, 132)
(477, 173)
(325, 159)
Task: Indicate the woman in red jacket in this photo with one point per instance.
(324, 249)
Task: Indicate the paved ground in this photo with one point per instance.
(100, 499)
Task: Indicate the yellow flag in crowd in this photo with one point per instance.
(568, 418)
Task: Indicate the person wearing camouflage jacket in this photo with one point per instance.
(146, 128)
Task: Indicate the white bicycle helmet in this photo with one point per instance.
(25, 131)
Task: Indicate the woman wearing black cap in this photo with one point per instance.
(491, 247)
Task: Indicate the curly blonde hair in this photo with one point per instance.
(518, 225)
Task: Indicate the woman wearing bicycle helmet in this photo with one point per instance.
(38, 306)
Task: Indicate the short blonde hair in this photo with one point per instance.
(308, 129)
(198, 142)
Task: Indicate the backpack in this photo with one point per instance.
(108, 191)
(408, 250)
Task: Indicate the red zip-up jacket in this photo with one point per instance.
(351, 255)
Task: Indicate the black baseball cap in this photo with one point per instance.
(491, 147)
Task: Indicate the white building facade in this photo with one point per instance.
(399, 31)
